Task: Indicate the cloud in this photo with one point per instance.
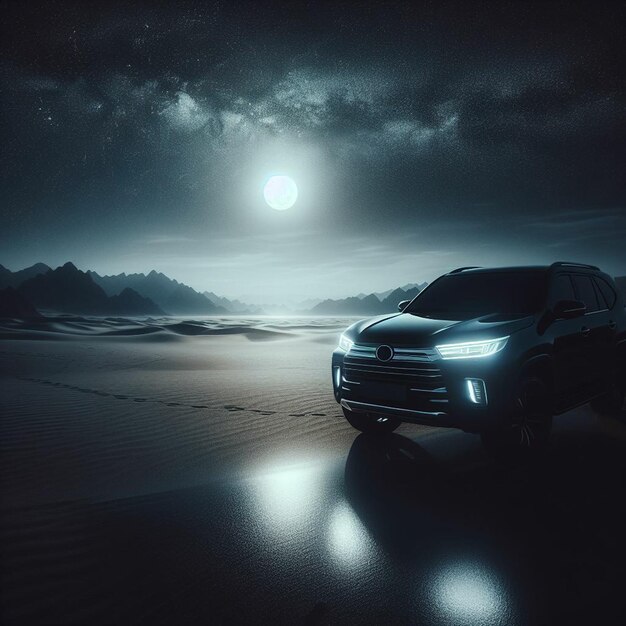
(568, 228)
(469, 129)
(40, 83)
(186, 114)
(159, 240)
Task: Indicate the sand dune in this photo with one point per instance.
(255, 329)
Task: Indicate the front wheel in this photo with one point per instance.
(528, 429)
(371, 423)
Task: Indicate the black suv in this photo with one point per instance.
(492, 351)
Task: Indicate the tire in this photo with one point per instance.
(528, 428)
(371, 423)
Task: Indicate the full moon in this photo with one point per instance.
(280, 192)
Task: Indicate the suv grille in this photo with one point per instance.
(409, 380)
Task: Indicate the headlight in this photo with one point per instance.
(471, 349)
(345, 344)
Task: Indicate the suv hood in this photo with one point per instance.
(408, 329)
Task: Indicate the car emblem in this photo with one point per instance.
(384, 353)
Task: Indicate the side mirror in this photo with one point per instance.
(568, 309)
(402, 305)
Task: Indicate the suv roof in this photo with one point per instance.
(525, 268)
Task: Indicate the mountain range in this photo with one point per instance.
(67, 289)
(15, 279)
(171, 296)
(367, 305)
(381, 295)
(233, 306)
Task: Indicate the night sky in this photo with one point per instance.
(421, 137)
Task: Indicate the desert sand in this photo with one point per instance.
(176, 471)
(110, 409)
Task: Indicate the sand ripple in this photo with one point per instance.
(164, 329)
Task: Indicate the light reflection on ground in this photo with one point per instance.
(469, 593)
(286, 497)
(350, 544)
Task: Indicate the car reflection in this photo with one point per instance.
(487, 543)
(421, 512)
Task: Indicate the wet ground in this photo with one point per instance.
(420, 527)
(404, 530)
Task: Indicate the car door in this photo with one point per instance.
(594, 326)
(569, 347)
(608, 336)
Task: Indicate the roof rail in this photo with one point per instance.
(458, 270)
(570, 264)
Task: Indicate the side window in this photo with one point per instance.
(606, 290)
(586, 292)
(562, 289)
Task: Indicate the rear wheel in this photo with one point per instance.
(370, 422)
(528, 429)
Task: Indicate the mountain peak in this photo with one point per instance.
(130, 302)
(166, 293)
(15, 279)
(70, 266)
(371, 304)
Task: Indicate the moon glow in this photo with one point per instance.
(280, 192)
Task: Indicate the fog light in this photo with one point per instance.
(337, 376)
(476, 390)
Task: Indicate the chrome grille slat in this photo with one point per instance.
(389, 365)
(387, 372)
(405, 371)
(366, 352)
(389, 369)
(400, 354)
(412, 354)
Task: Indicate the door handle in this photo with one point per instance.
(612, 325)
(584, 331)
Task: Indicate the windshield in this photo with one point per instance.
(464, 296)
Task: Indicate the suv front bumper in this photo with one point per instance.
(433, 392)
